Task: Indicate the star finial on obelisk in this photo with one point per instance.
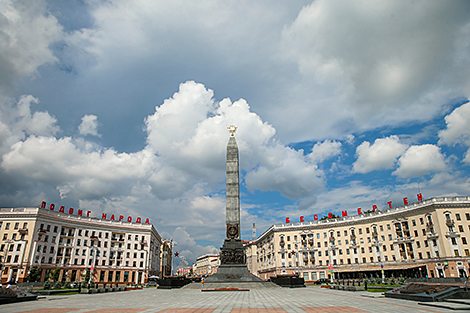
(232, 129)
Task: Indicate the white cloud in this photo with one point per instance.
(380, 63)
(26, 33)
(325, 150)
(89, 126)
(86, 174)
(381, 155)
(189, 132)
(420, 160)
(17, 121)
(458, 129)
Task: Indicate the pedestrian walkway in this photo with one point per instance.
(296, 300)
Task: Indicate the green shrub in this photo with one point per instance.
(91, 284)
(47, 285)
(58, 285)
(67, 285)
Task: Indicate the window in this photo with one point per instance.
(381, 228)
(7, 226)
(288, 238)
(364, 260)
(339, 242)
(420, 255)
(426, 243)
(370, 249)
(464, 240)
(367, 229)
(78, 242)
(457, 216)
(467, 253)
(362, 250)
(418, 244)
(424, 232)
(392, 247)
(318, 235)
(360, 231)
(467, 216)
(461, 228)
(454, 242)
(456, 252)
(416, 233)
(421, 220)
(86, 232)
(388, 226)
(338, 233)
(17, 225)
(413, 222)
(345, 233)
(55, 229)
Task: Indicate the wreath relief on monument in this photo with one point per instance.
(232, 231)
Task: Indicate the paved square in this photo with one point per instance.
(296, 300)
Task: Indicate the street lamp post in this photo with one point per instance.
(8, 241)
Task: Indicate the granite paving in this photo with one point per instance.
(295, 300)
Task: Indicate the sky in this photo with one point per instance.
(122, 107)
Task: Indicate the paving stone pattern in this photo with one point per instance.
(296, 300)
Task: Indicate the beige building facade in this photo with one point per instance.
(117, 252)
(206, 264)
(427, 238)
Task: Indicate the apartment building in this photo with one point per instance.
(427, 238)
(116, 252)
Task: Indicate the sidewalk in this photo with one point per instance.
(297, 300)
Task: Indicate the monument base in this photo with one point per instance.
(233, 266)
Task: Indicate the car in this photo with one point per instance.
(151, 283)
(321, 281)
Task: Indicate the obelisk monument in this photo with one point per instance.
(232, 267)
(233, 192)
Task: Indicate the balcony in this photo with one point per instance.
(404, 239)
(452, 234)
(432, 235)
(23, 231)
(332, 238)
(429, 224)
(352, 237)
(375, 234)
(42, 231)
(143, 242)
(94, 237)
(450, 222)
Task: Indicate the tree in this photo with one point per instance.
(55, 273)
(34, 274)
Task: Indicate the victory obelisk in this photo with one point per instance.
(232, 213)
(232, 267)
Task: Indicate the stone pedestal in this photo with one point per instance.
(232, 267)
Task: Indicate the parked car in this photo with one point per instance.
(321, 281)
(151, 283)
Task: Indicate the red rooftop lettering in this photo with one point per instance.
(287, 220)
(389, 204)
(405, 200)
(420, 197)
(301, 218)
